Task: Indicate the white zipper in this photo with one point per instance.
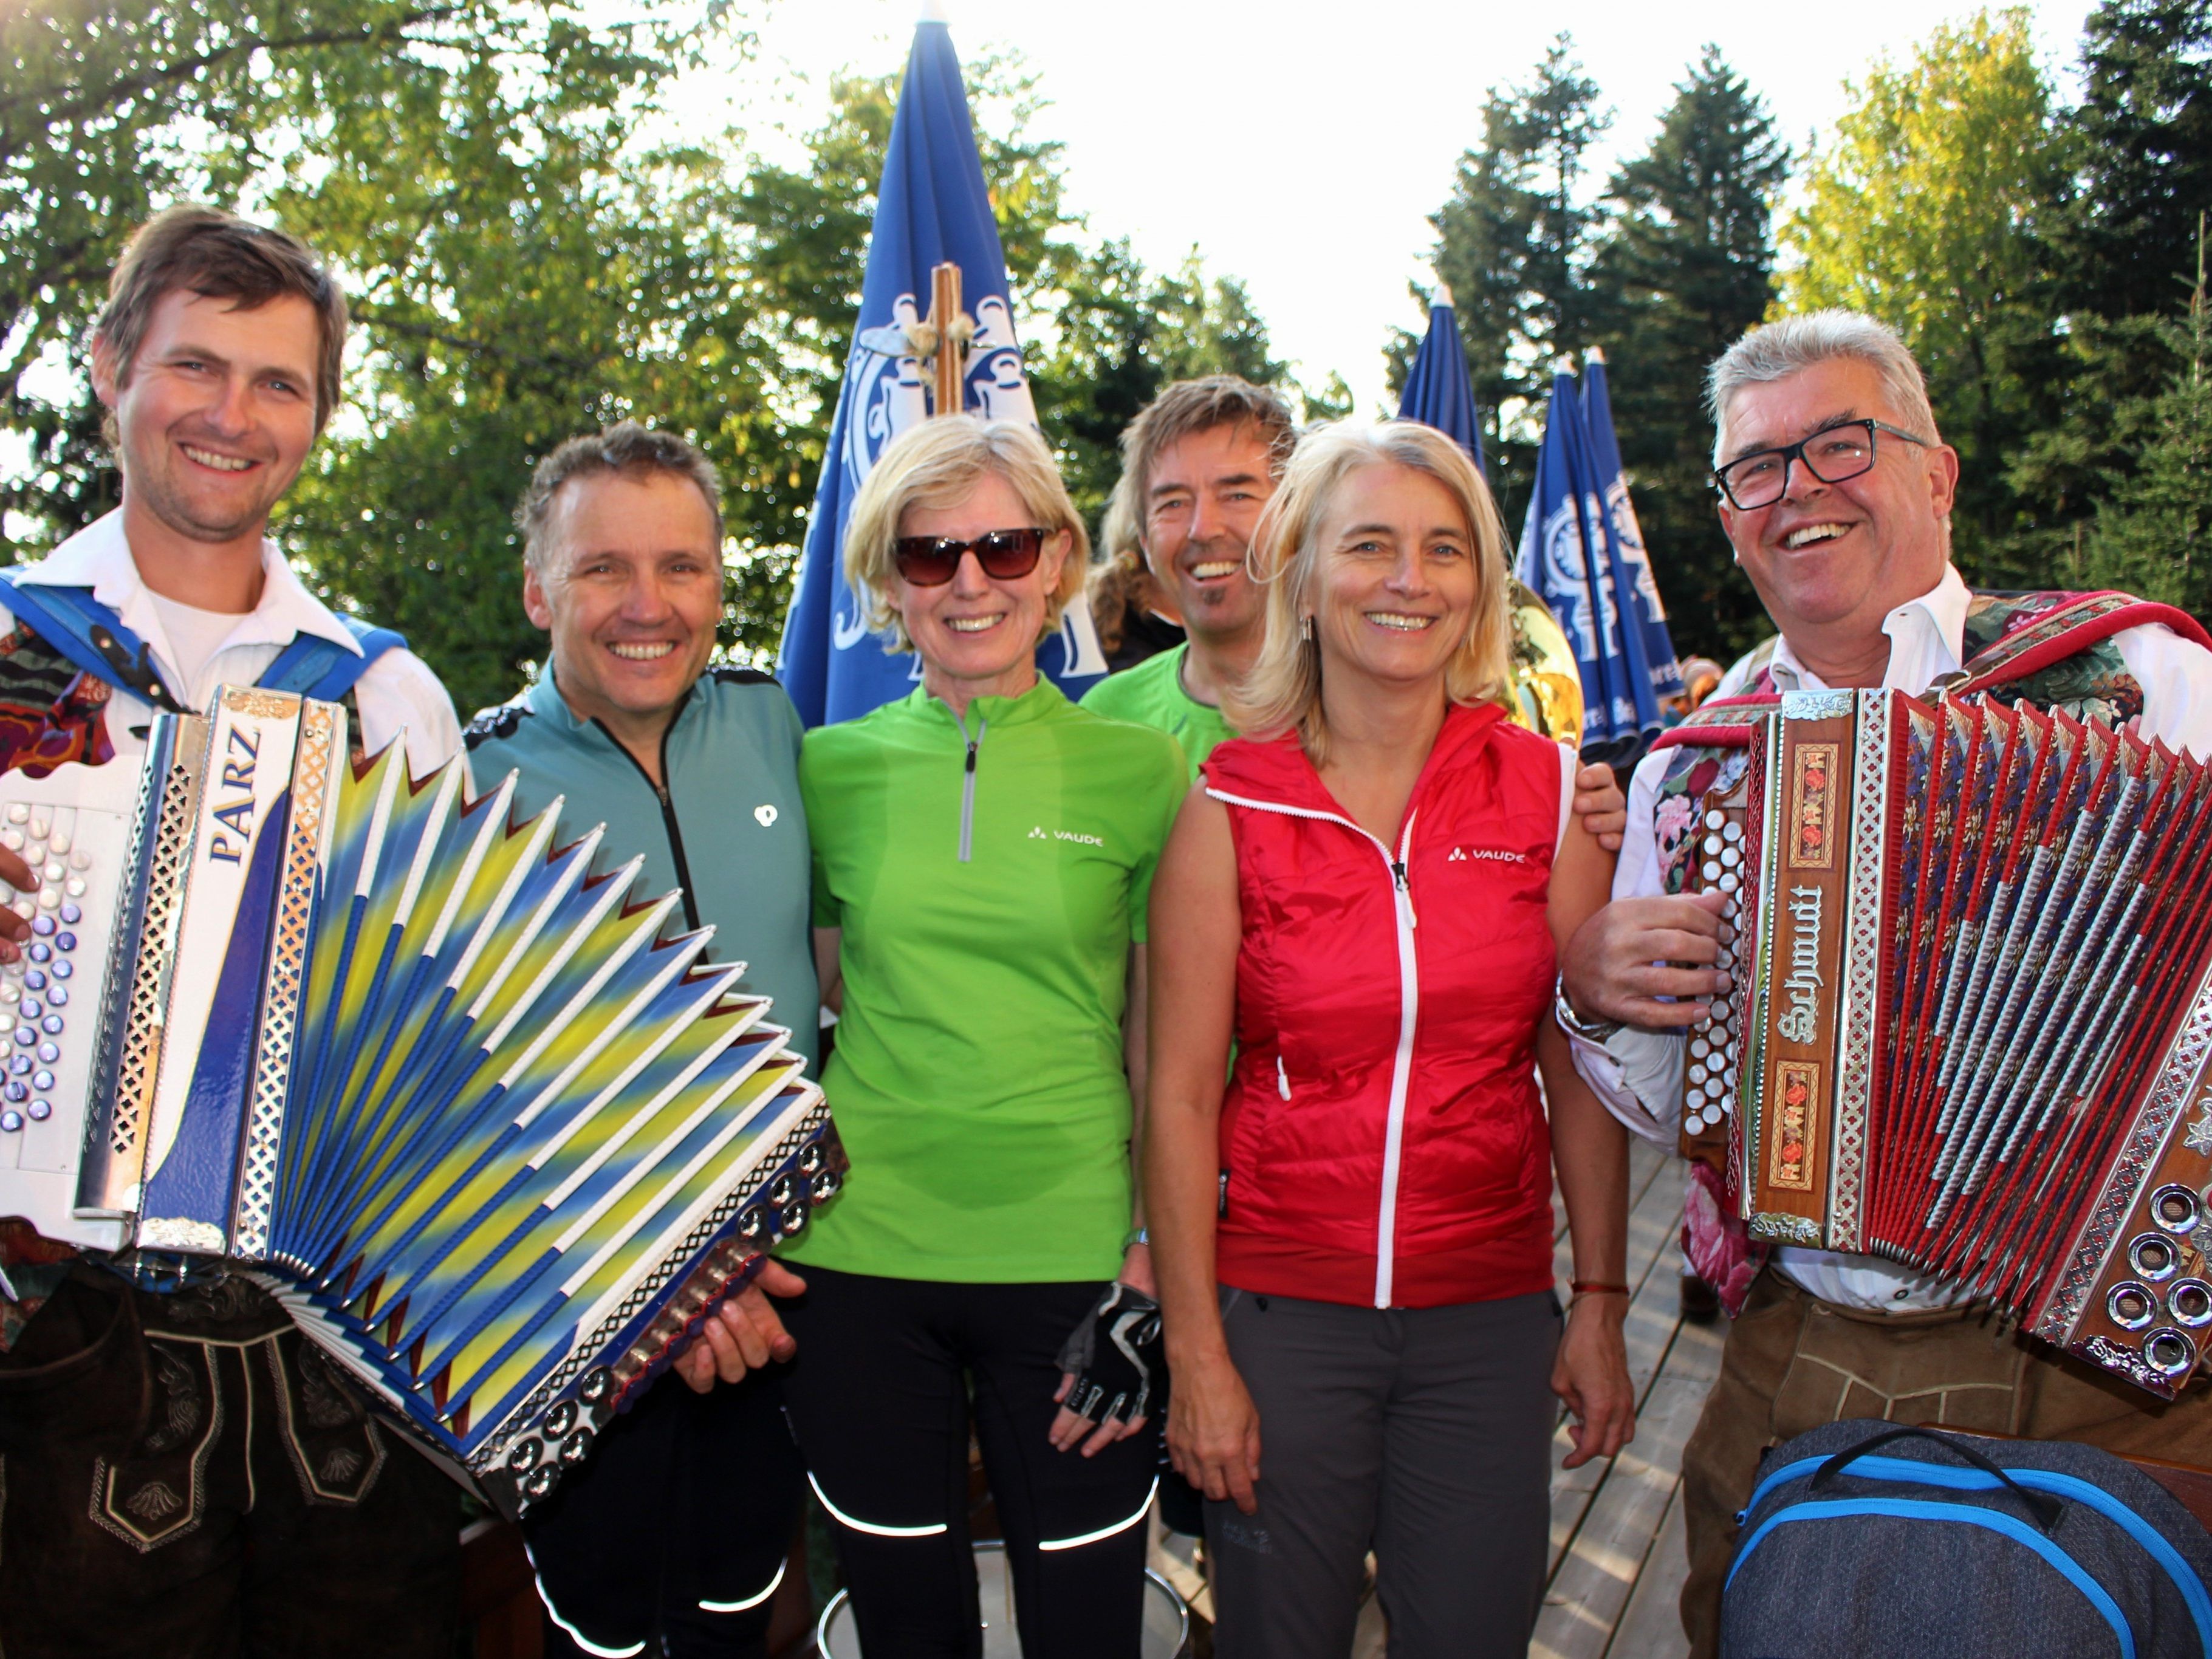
(968, 784)
(1409, 1012)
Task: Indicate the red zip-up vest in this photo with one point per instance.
(1381, 1140)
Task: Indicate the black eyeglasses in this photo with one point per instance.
(1832, 455)
(932, 561)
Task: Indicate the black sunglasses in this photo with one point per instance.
(931, 560)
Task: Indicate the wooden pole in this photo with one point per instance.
(952, 340)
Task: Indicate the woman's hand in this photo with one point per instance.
(1115, 1358)
(1591, 1374)
(1213, 1431)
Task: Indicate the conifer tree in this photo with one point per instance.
(1685, 268)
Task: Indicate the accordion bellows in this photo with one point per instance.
(446, 1088)
(1973, 1014)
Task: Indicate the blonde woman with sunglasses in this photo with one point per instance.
(983, 851)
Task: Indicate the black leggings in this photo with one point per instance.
(879, 1395)
(671, 1537)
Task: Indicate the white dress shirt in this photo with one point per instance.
(397, 694)
(1638, 1074)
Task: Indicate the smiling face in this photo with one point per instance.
(630, 589)
(1202, 500)
(1398, 581)
(1839, 557)
(977, 635)
(215, 416)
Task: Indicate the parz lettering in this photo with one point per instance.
(236, 816)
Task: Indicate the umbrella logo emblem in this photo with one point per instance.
(766, 813)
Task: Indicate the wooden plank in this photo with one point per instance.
(1651, 1625)
(1589, 1592)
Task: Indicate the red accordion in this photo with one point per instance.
(1973, 1013)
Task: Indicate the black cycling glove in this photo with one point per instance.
(1115, 1354)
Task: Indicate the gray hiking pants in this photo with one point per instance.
(1423, 1434)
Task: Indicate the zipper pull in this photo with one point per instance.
(1282, 1078)
(971, 755)
(1405, 892)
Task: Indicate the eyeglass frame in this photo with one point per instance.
(1796, 452)
(1036, 535)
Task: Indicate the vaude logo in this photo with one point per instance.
(1491, 855)
(1040, 833)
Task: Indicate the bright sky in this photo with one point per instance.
(1301, 147)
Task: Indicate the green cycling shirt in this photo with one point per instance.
(730, 829)
(1151, 694)
(989, 874)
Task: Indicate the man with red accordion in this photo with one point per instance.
(1836, 490)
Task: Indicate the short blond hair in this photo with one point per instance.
(1282, 693)
(936, 465)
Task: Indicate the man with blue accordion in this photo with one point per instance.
(672, 1536)
(184, 1473)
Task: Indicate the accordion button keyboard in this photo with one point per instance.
(41, 1110)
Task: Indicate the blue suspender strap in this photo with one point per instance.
(87, 635)
(323, 669)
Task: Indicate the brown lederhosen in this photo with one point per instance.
(186, 1475)
(1793, 1363)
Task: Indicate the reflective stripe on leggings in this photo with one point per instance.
(845, 1520)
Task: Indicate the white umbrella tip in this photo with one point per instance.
(933, 11)
(1443, 294)
(1594, 354)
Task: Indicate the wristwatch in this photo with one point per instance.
(1135, 1237)
(1591, 1030)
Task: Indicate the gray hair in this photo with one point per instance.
(624, 448)
(1790, 345)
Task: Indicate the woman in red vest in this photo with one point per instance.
(1362, 901)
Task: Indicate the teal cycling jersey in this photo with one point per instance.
(729, 829)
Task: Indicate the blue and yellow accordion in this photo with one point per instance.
(444, 1087)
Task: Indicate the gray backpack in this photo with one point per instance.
(1864, 1539)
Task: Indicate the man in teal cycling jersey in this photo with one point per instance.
(673, 1535)
(1198, 466)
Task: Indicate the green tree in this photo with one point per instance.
(1685, 265)
(2152, 535)
(2118, 249)
(1924, 211)
(1513, 242)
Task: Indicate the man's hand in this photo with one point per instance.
(14, 929)
(1634, 953)
(743, 1334)
(1601, 805)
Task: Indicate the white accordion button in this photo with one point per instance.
(49, 897)
(19, 813)
(12, 839)
(80, 859)
(73, 886)
(58, 842)
(55, 870)
(39, 828)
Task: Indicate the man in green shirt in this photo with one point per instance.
(673, 1535)
(1198, 467)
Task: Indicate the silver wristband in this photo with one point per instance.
(1591, 1030)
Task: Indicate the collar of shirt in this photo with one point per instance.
(544, 699)
(99, 557)
(1927, 636)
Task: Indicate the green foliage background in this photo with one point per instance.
(531, 254)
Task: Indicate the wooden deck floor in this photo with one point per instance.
(1617, 1552)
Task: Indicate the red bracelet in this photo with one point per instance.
(1593, 1287)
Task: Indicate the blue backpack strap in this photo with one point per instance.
(324, 669)
(87, 634)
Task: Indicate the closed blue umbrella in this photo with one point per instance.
(1439, 392)
(1564, 557)
(1650, 649)
(931, 207)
